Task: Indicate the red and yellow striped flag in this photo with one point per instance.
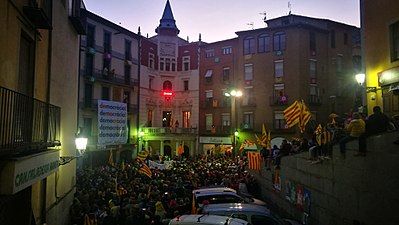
(144, 169)
(304, 116)
(254, 161)
(292, 114)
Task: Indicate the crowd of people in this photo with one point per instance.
(340, 131)
(122, 195)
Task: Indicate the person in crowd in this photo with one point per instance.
(376, 123)
(355, 128)
(285, 148)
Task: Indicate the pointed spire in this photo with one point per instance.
(167, 21)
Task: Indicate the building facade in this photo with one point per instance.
(168, 112)
(38, 122)
(217, 77)
(293, 58)
(109, 73)
(380, 44)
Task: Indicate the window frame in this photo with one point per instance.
(394, 41)
(276, 70)
(249, 45)
(248, 74)
(279, 41)
(264, 43)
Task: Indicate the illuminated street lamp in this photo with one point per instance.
(81, 143)
(233, 94)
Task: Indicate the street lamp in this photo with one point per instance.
(234, 94)
(81, 143)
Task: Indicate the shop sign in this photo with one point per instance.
(389, 76)
(215, 140)
(19, 174)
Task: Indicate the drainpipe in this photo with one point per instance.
(138, 92)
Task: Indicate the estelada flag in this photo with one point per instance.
(144, 169)
(253, 160)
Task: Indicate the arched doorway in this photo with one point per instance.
(167, 151)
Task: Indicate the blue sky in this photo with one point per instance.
(218, 20)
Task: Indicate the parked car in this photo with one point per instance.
(206, 220)
(254, 214)
(215, 195)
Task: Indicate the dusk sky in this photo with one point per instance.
(218, 20)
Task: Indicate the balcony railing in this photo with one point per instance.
(93, 104)
(110, 77)
(27, 125)
(167, 130)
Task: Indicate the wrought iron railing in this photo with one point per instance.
(27, 125)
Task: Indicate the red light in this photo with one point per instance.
(167, 93)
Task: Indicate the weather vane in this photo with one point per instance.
(289, 7)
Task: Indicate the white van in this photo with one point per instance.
(253, 214)
(206, 220)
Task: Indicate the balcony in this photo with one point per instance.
(39, 13)
(278, 100)
(93, 104)
(314, 100)
(27, 125)
(159, 131)
(78, 17)
(100, 75)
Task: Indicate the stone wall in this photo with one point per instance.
(365, 189)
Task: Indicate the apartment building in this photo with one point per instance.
(293, 58)
(168, 112)
(109, 75)
(38, 114)
(380, 44)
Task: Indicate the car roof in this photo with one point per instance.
(206, 219)
(214, 189)
(237, 207)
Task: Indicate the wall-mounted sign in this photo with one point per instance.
(22, 173)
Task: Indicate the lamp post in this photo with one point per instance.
(80, 144)
(234, 94)
(360, 77)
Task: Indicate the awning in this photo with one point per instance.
(208, 73)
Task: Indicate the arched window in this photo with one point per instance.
(249, 45)
(264, 43)
(279, 41)
(167, 85)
